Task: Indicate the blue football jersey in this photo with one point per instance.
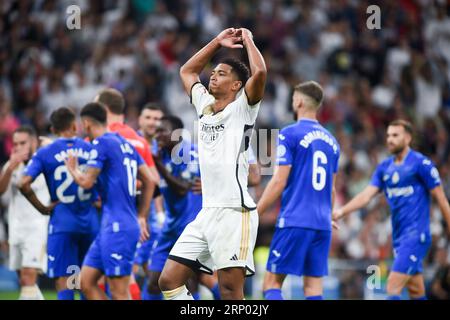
(75, 212)
(180, 210)
(119, 163)
(406, 186)
(313, 154)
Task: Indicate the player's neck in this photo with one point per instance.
(222, 102)
(114, 118)
(98, 131)
(67, 134)
(306, 115)
(399, 157)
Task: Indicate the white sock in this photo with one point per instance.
(180, 293)
(31, 293)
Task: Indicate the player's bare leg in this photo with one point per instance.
(272, 285)
(211, 282)
(273, 280)
(89, 284)
(153, 286)
(119, 287)
(231, 283)
(28, 277)
(416, 287)
(312, 287)
(133, 288)
(28, 283)
(395, 284)
(173, 279)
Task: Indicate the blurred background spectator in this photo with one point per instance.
(370, 77)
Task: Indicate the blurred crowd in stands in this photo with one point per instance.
(370, 77)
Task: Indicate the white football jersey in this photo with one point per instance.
(24, 220)
(223, 143)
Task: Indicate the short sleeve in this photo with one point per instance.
(429, 174)
(200, 98)
(377, 177)
(285, 149)
(98, 155)
(248, 112)
(35, 167)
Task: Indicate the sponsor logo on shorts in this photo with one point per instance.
(116, 256)
(276, 253)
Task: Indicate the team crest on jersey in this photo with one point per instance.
(395, 178)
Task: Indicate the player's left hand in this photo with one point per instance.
(245, 34)
(145, 233)
(335, 225)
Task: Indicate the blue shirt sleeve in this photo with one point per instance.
(429, 174)
(377, 177)
(35, 167)
(98, 155)
(285, 149)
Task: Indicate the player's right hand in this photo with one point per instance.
(49, 209)
(197, 186)
(145, 233)
(16, 159)
(337, 214)
(230, 38)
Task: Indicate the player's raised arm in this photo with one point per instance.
(87, 179)
(6, 174)
(274, 188)
(360, 200)
(191, 70)
(254, 88)
(148, 187)
(439, 195)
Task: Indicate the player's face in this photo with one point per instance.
(164, 134)
(397, 139)
(23, 144)
(223, 80)
(149, 121)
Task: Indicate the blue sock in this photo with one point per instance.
(196, 296)
(107, 291)
(216, 292)
(420, 298)
(393, 298)
(66, 295)
(152, 296)
(314, 298)
(273, 294)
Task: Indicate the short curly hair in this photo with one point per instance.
(239, 68)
